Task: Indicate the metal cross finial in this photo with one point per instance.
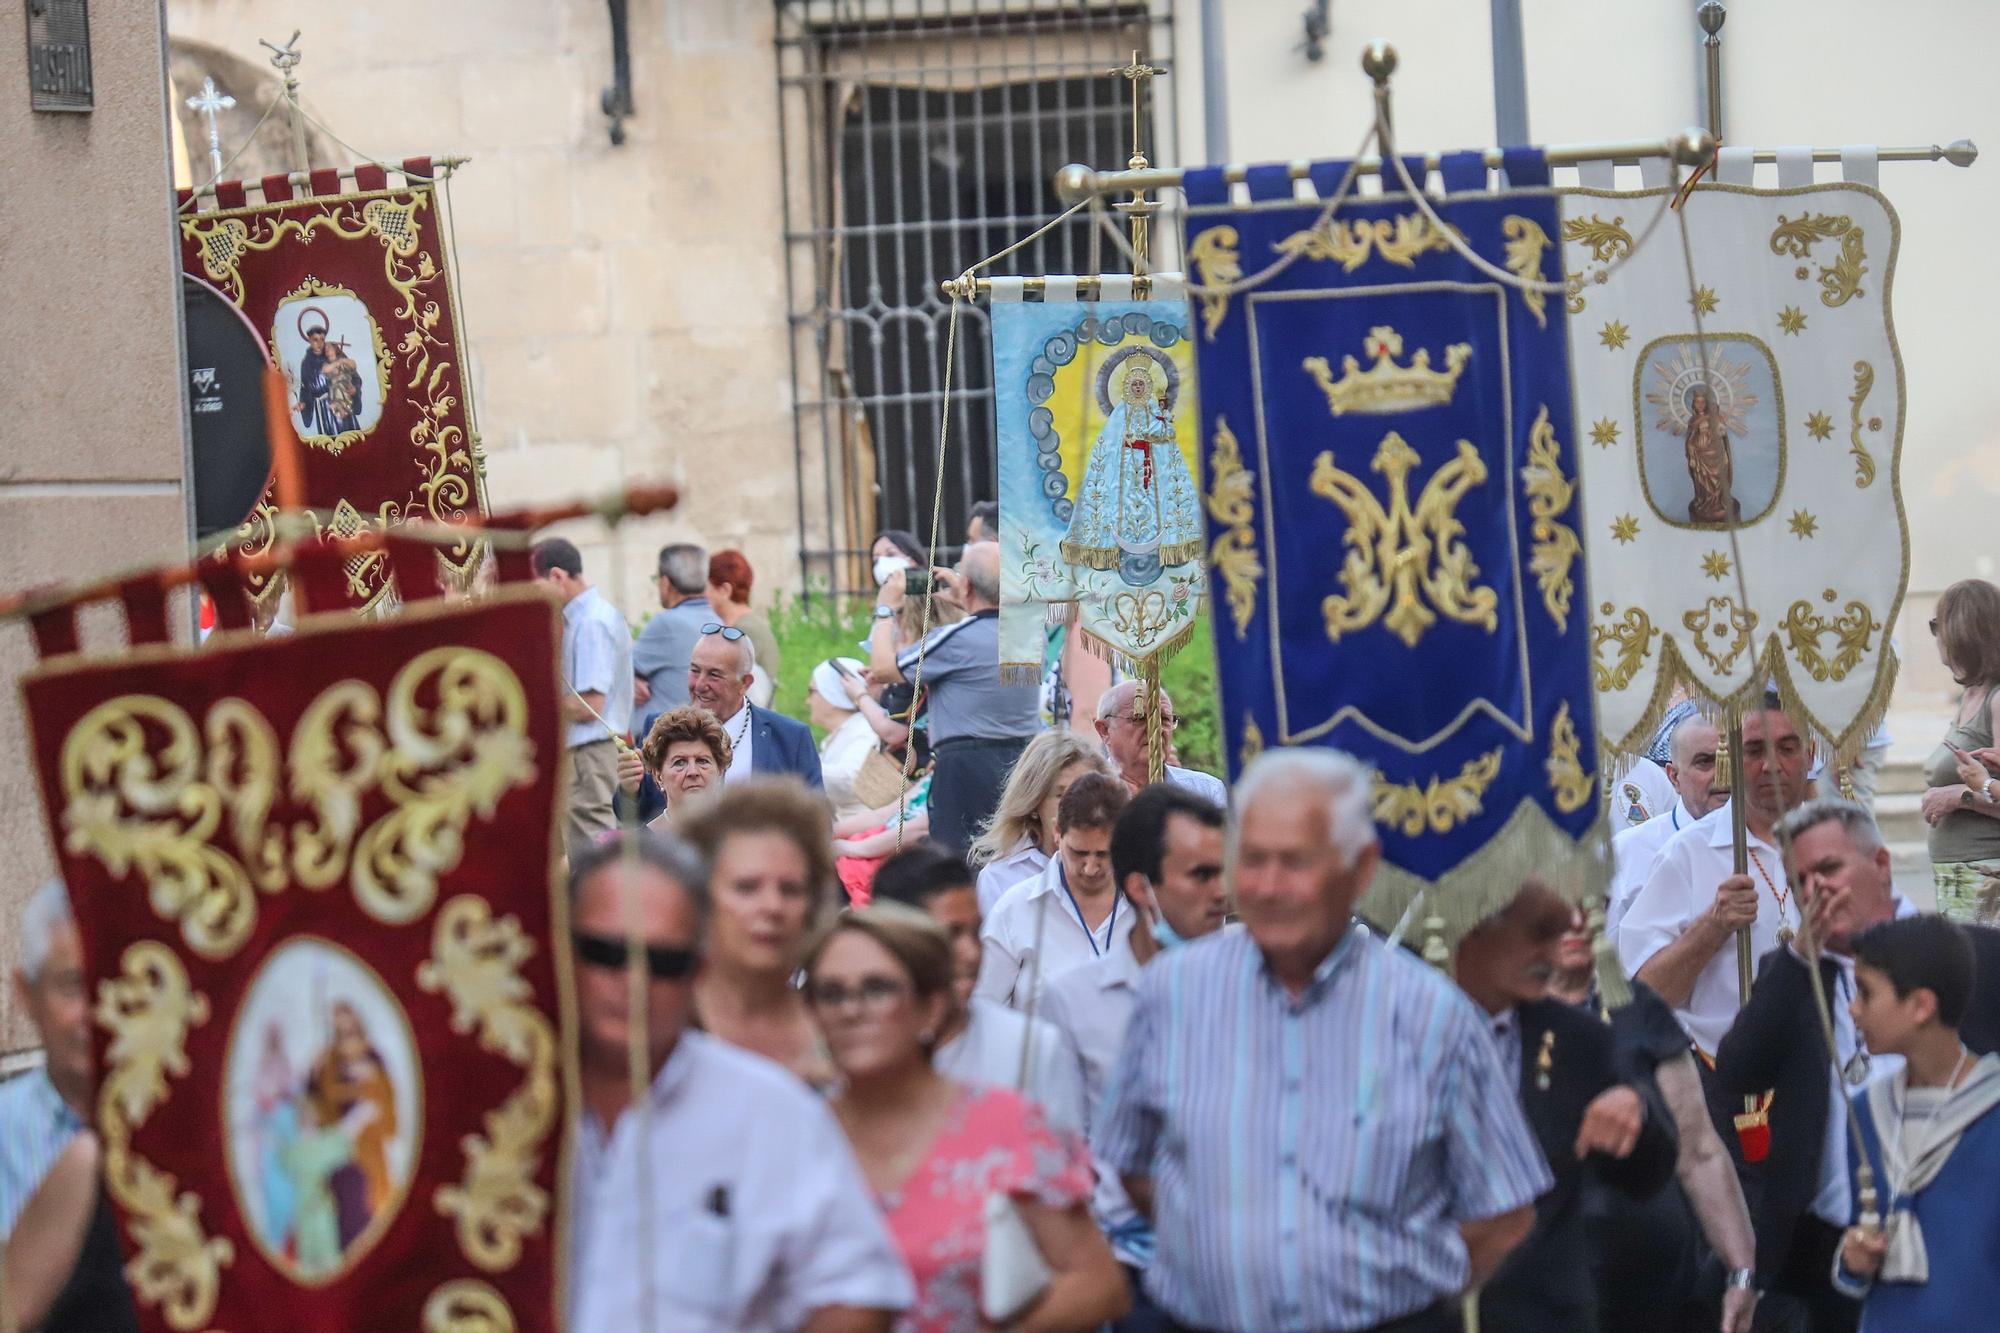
(210, 103)
(287, 58)
(1138, 208)
(1137, 73)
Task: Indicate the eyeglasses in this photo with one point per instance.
(663, 962)
(729, 633)
(1168, 722)
(874, 994)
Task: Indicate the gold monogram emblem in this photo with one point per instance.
(1387, 386)
(1408, 560)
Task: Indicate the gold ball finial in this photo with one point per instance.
(1073, 183)
(1692, 147)
(1378, 61)
(1711, 16)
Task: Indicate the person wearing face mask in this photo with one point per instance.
(1021, 836)
(770, 850)
(1166, 855)
(934, 1149)
(1069, 915)
(685, 753)
(1593, 1126)
(980, 1042)
(1692, 743)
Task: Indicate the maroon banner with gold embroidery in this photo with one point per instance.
(351, 291)
(315, 877)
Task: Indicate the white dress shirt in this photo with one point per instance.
(1681, 888)
(1205, 785)
(1639, 793)
(755, 1214)
(741, 728)
(1634, 851)
(1023, 860)
(988, 1054)
(1092, 1005)
(1835, 1203)
(1008, 937)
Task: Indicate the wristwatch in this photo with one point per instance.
(884, 612)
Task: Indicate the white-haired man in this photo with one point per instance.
(1692, 743)
(1318, 1123)
(1121, 725)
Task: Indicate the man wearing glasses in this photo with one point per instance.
(750, 1212)
(1121, 725)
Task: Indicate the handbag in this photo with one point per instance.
(879, 781)
(1012, 1273)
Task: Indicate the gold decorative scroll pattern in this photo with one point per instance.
(1864, 462)
(1567, 778)
(443, 451)
(1852, 630)
(1720, 619)
(1840, 281)
(1253, 741)
(1524, 245)
(467, 1306)
(1630, 639)
(1442, 804)
(1349, 244)
(1550, 494)
(1406, 559)
(1608, 242)
(1234, 554)
(476, 961)
(145, 791)
(1215, 260)
(147, 1008)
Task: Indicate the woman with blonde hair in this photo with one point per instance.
(933, 1150)
(1021, 836)
(1962, 802)
(769, 847)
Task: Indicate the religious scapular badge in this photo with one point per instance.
(1545, 1061)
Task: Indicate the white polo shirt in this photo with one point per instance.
(1008, 937)
(758, 1213)
(1633, 854)
(1681, 888)
(1023, 860)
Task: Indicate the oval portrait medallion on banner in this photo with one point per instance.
(1711, 434)
(323, 1109)
(335, 364)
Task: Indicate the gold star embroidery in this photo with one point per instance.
(1792, 319)
(1804, 525)
(1624, 528)
(1716, 565)
(1604, 433)
(1614, 334)
(1703, 300)
(1820, 426)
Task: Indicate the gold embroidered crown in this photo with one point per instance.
(1386, 386)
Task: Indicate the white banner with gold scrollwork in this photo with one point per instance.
(1784, 418)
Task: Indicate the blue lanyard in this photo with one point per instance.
(1111, 922)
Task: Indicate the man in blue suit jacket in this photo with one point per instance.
(763, 743)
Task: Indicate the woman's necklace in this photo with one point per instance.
(1782, 897)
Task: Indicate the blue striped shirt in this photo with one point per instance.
(1311, 1158)
(36, 1124)
(597, 655)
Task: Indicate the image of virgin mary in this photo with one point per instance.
(1137, 509)
(1709, 465)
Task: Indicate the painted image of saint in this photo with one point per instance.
(1708, 462)
(1137, 509)
(322, 1144)
(326, 392)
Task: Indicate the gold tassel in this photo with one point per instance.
(1614, 992)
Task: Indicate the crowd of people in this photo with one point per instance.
(955, 1021)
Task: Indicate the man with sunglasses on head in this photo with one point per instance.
(766, 743)
(1121, 725)
(750, 1213)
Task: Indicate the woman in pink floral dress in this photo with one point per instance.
(933, 1150)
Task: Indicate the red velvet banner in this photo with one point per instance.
(352, 294)
(315, 877)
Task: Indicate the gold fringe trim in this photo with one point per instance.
(1107, 558)
(1528, 845)
(1137, 664)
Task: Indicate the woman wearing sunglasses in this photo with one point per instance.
(932, 1150)
(771, 875)
(685, 753)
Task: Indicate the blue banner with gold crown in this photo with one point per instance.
(1393, 517)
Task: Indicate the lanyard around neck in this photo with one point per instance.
(1110, 923)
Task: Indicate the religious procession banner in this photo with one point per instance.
(1780, 416)
(1100, 513)
(349, 285)
(315, 879)
(1393, 518)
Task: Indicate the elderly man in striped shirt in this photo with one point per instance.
(1318, 1123)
